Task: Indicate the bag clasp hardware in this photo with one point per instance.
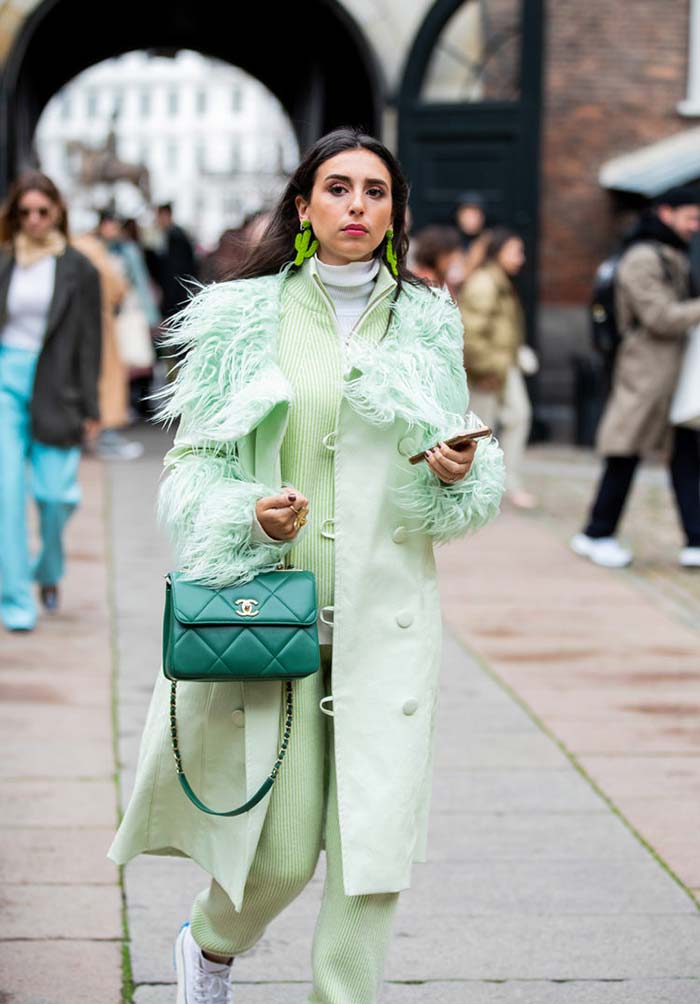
(246, 608)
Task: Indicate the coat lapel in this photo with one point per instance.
(63, 288)
(7, 263)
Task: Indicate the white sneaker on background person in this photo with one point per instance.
(605, 551)
(112, 445)
(689, 557)
(199, 981)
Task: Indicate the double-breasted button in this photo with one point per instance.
(238, 718)
(404, 619)
(410, 707)
(406, 446)
(400, 535)
(328, 529)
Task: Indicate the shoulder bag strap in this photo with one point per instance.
(264, 787)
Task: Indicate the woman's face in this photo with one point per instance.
(511, 257)
(38, 214)
(350, 207)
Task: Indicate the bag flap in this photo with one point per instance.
(286, 597)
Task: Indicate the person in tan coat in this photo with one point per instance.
(655, 310)
(113, 384)
(494, 336)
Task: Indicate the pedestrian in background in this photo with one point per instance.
(112, 386)
(436, 257)
(135, 324)
(656, 305)
(264, 406)
(470, 216)
(50, 341)
(175, 261)
(495, 354)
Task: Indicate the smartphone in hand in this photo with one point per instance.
(455, 443)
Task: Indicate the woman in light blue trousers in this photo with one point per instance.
(49, 363)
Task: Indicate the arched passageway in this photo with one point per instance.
(60, 38)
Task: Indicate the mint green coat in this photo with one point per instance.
(399, 396)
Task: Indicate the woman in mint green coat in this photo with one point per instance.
(308, 382)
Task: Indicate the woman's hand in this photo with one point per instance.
(91, 430)
(451, 465)
(282, 516)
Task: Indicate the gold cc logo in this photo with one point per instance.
(245, 608)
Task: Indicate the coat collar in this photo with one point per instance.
(231, 380)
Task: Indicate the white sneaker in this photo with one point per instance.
(605, 551)
(689, 557)
(199, 981)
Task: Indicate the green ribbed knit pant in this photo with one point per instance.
(352, 932)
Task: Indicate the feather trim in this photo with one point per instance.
(416, 371)
(228, 379)
(207, 507)
(449, 511)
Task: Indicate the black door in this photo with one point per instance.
(470, 116)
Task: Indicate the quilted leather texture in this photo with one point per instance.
(265, 629)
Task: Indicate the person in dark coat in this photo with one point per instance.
(656, 306)
(176, 261)
(50, 342)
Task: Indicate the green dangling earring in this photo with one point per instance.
(303, 245)
(391, 259)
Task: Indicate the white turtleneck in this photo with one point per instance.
(349, 287)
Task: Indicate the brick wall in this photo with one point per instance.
(615, 72)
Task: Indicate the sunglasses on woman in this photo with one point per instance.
(25, 211)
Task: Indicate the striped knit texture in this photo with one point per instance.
(309, 354)
(352, 933)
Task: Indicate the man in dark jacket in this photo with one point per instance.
(176, 261)
(656, 306)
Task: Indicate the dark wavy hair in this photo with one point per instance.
(275, 249)
(30, 181)
(498, 237)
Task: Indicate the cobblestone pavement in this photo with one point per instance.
(562, 856)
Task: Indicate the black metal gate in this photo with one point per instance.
(489, 142)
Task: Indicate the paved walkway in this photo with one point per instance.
(537, 891)
(60, 898)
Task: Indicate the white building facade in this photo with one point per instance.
(216, 142)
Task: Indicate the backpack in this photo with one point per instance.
(605, 334)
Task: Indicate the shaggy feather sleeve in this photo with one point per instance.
(207, 500)
(449, 511)
(207, 505)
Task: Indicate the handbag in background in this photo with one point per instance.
(685, 405)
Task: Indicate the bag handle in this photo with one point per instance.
(264, 787)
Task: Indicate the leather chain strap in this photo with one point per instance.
(267, 783)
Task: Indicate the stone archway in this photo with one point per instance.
(60, 38)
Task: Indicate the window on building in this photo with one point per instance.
(235, 158)
(66, 106)
(477, 56)
(173, 102)
(691, 105)
(171, 155)
(236, 98)
(200, 156)
(201, 102)
(145, 103)
(92, 104)
(231, 204)
(117, 102)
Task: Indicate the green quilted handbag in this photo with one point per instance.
(263, 630)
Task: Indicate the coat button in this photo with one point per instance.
(405, 619)
(410, 707)
(238, 718)
(400, 535)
